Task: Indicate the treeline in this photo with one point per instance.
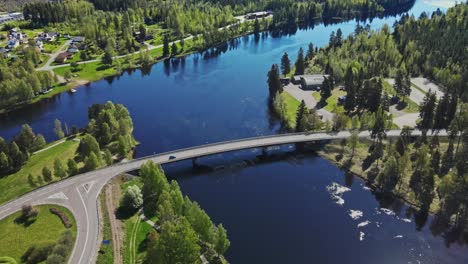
(19, 82)
(107, 137)
(186, 231)
(15, 153)
(43, 13)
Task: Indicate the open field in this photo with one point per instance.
(16, 184)
(291, 108)
(16, 238)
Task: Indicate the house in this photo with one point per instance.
(312, 81)
(256, 15)
(78, 39)
(13, 43)
(49, 36)
(63, 57)
(73, 48)
(296, 79)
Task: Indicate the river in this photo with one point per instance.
(276, 211)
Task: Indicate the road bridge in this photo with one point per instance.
(80, 193)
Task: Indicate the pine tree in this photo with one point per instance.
(310, 52)
(285, 64)
(426, 111)
(256, 29)
(350, 102)
(441, 113)
(174, 49)
(301, 111)
(107, 58)
(165, 46)
(274, 82)
(326, 90)
(300, 63)
(447, 159)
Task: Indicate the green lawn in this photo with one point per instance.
(53, 46)
(15, 238)
(16, 184)
(91, 71)
(332, 101)
(291, 108)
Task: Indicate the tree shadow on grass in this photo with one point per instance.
(103, 67)
(25, 221)
(123, 213)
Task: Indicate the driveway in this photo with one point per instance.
(309, 100)
(427, 85)
(416, 95)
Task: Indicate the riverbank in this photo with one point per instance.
(87, 72)
(339, 155)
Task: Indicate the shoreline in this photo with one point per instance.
(373, 187)
(63, 87)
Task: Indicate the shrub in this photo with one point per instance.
(66, 222)
(38, 253)
(132, 199)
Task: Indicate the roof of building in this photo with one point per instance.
(313, 79)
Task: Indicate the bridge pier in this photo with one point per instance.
(194, 163)
(264, 151)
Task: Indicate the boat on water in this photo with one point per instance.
(72, 91)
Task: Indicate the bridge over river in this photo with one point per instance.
(80, 193)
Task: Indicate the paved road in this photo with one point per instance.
(80, 193)
(48, 67)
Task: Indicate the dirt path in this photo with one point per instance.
(113, 195)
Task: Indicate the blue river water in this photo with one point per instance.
(290, 209)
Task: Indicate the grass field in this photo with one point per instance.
(106, 254)
(135, 233)
(15, 238)
(16, 184)
(291, 108)
(90, 71)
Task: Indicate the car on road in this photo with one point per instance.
(172, 157)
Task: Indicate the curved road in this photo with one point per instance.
(80, 193)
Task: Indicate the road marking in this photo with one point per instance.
(87, 225)
(87, 186)
(59, 195)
